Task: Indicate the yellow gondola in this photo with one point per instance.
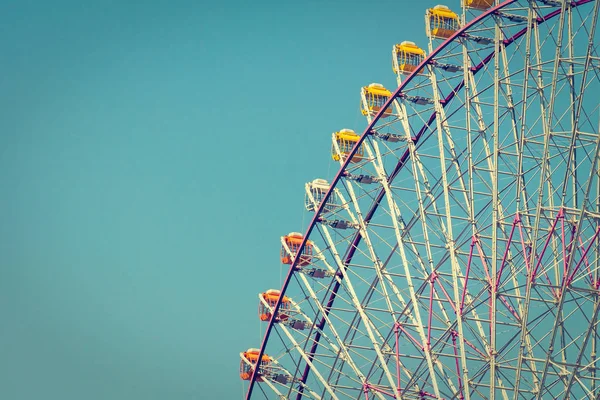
(406, 58)
(373, 98)
(478, 4)
(441, 22)
(346, 139)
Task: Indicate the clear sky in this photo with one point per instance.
(152, 154)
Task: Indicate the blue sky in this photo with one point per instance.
(152, 154)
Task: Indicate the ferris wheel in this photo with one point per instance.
(456, 252)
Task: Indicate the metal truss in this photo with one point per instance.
(460, 259)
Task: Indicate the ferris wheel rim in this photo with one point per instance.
(368, 130)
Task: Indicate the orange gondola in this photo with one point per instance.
(248, 362)
(293, 241)
(267, 302)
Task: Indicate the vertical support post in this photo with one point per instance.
(397, 333)
(430, 311)
(525, 252)
(512, 231)
(462, 300)
(541, 256)
(460, 389)
(572, 276)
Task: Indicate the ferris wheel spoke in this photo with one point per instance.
(308, 360)
(340, 345)
(351, 333)
(492, 165)
(565, 289)
(365, 234)
(426, 339)
(336, 347)
(537, 224)
(415, 160)
(383, 279)
(442, 126)
(369, 324)
(576, 106)
(417, 173)
(429, 280)
(350, 337)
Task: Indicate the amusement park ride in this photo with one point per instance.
(456, 253)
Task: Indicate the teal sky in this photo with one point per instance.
(152, 154)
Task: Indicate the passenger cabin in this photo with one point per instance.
(293, 241)
(267, 302)
(346, 139)
(407, 56)
(478, 4)
(249, 361)
(318, 189)
(441, 22)
(373, 98)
